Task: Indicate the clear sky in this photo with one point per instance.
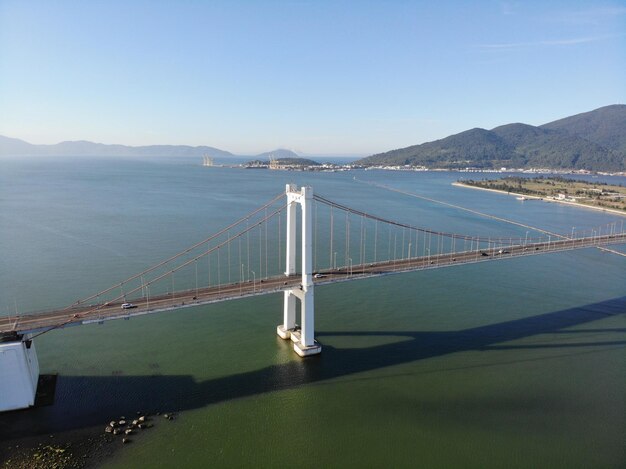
(318, 77)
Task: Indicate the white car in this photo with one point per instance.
(128, 306)
(319, 276)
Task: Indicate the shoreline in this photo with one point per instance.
(84, 448)
(87, 447)
(535, 197)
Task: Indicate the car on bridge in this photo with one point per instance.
(128, 306)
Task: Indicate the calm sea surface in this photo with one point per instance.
(518, 363)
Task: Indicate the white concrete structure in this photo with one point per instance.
(19, 374)
(303, 338)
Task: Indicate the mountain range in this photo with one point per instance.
(594, 141)
(16, 147)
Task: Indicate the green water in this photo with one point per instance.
(517, 363)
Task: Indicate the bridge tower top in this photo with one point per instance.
(302, 197)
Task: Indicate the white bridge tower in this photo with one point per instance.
(303, 337)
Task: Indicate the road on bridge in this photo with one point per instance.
(89, 313)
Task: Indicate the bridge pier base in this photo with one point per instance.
(304, 350)
(304, 343)
(19, 372)
(284, 333)
(289, 316)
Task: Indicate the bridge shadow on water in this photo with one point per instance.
(87, 401)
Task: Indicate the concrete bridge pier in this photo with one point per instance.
(19, 372)
(304, 343)
(289, 315)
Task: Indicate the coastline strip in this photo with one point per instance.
(400, 191)
(576, 204)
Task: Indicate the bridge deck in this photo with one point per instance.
(84, 314)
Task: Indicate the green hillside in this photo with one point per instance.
(558, 145)
(605, 126)
(297, 162)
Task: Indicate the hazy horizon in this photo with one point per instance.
(346, 78)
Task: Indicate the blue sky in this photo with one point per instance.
(318, 77)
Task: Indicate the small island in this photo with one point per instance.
(596, 195)
(292, 164)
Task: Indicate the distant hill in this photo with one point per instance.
(297, 162)
(16, 147)
(591, 141)
(278, 153)
(557, 149)
(259, 163)
(605, 126)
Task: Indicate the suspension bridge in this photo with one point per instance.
(258, 255)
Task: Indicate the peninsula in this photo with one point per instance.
(596, 195)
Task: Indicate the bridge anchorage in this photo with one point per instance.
(303, 337)
(19, 371)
